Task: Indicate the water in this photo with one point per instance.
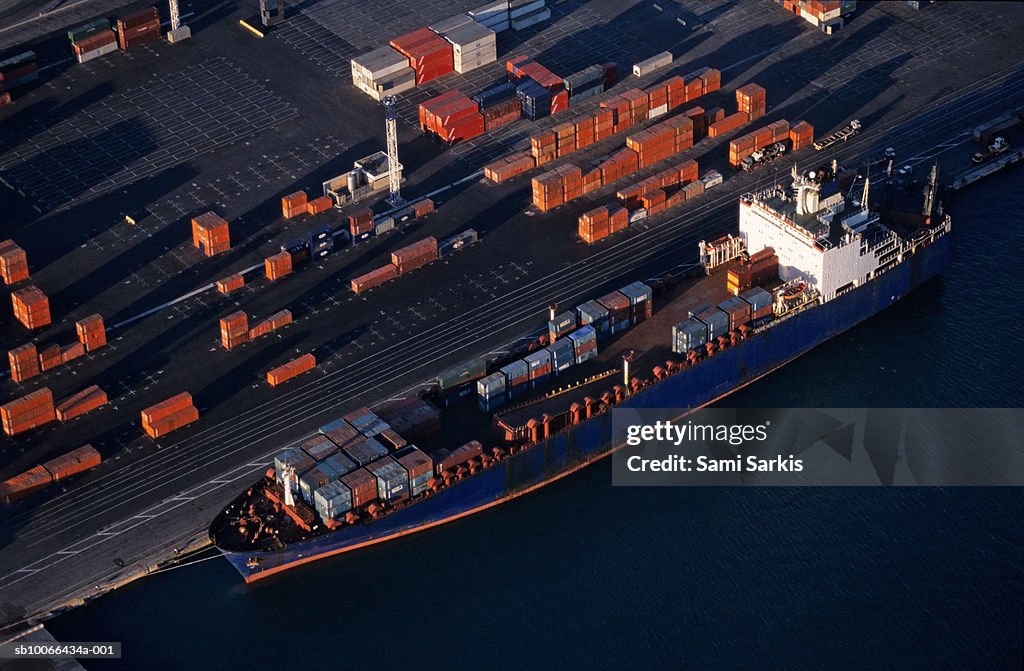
(583, 575)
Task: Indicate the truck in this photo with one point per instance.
(841, 135)
(763, 155)
(998, 146)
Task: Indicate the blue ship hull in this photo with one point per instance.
(581, 444)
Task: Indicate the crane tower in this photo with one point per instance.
(394, 167)
(178, 32)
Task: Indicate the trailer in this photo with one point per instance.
(841, 135)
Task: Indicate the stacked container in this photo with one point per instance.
(801, 134)
(383, 72)
(31, 307)
(512, 165)
(332, 500)
(561, 325)
(24, 362)
(716, 321)
(760, 302)
(28, 412)
(392, 479)
(80, 403)
(363, 486)
(71, 351)
(430, 56)
(738, 311)
(640, 303)
(234, 329)
(91, 332)
(451, 459)
(374, 278)
(139, 28)
(601, 222)
(539, 364)
(585, 84)
(618, 308)
(584, 343)
(318, 447)
(490, 391)
(275, 321)
(728, 124)
(13, 262)
(452, 116)
(595, 315)
(536, 100)
(415, 255)
(319, 475)
(761, 268)
(364, 451)
(74, 462)
(341, 433)
(231, 283)
(293, 368)
(525, 14)
(17, 71)
(278, 265)
(169, 415)
(655, 62)
(698, 117)
(751, 99)
(210, 234)
(493, 15)
(517, 378)
(92, 40)
(473, 46)
(23, 484)
(360, 224)
(49, 356)
(294, 204)
(689, 335)
(562, 355)
(419, 467)
(745, 145)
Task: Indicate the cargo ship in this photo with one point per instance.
(811, 260)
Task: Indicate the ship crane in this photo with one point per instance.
(930, 190)
(394, 167)
(178, 32)
(286, 480)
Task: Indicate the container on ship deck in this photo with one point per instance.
(315, 478)
(539, 363)
(332, 500)
(738, 311)
(596, 315)
(517, 377)
(392, 479)
(561, 324)
(689, 334)
(365, 451)
(584, 343)
(640, 296)
(318, 447)
(465, 372)
(341, 464)
(717, 321)
(491, 386)
(295, 458)
(760, 302)
(340, 432)
(363, 486)
(563, 356)
(450, 458)
(418, 465)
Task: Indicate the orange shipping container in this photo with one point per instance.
(13, 262)
(231, 283)
(74, 462)
(374, 278)
(278, 265)
(71, 351)
(91, 332)
(172, 422)
(294, 204)
(24, 362)
(166, 408)
(318, 205)
(49, 356)
(29, 411)
(31, 307)
(302, 364)
(270, 324)
(23, 484)
(210, 234)
(88, 399)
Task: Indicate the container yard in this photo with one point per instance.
(177, 223)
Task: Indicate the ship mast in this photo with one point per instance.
(286, 475)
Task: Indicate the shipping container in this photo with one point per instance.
(418, 465)
(31, 307)
(561, 325)
(293, 368)
(24, 484)
(539, 363)
(363, 486)
(517, 377)
(456, 242)
(563, 356)
(689, 334)
(392, 479)
(595, 315)
(374, 278)
(738, 311)
(80, 403)
(316, 477)
(341, 433)
(365, 451)
(655, 62)
(166, 407)
(462, 373)
(318, 447)
(24, 362)
(491, 386)
(332, 500)
(451, 459)
(716, 320)
(13, 260)
(72, 463)
(584, 343)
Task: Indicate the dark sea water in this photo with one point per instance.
(584, 575)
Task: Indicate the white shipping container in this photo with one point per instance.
(451, 23)
(519, 12)
(96, 53)
(657, 111)
(470, 38)
(488, 10)
(532, 20)
(378, 64)
(475, 59)
(653, 63)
